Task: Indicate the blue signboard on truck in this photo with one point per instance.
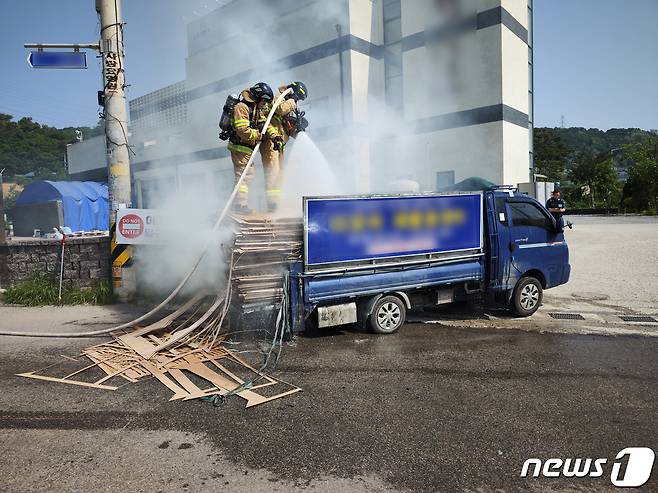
(350, 229)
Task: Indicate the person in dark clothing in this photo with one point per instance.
(556, 205)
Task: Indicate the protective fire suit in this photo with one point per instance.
(273, 158)
(245, 120)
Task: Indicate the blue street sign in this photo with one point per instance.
(57, 59)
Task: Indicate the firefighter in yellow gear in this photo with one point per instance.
(277, 136)
(245, 136)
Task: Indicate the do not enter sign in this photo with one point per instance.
(131, 226)
(138, 227)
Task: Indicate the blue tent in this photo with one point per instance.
(85, 203)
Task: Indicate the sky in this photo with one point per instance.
(155, 45)
(595, 61)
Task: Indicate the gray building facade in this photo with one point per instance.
(428, 91)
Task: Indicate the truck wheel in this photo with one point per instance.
(387, 315)
(527, 296)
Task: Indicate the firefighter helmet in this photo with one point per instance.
(299, 88)
(261, 91)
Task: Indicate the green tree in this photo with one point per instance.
(26, 146)
(551, 155)
(10, 198)
(596, 175)
(593, 141)
(591, 158)
(641, 187)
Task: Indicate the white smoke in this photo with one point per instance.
(329, 166)
(185, 222)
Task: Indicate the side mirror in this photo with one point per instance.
(559, 225)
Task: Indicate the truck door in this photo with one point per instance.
(534, 241)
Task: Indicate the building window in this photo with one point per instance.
(444, 179)
(393, 54)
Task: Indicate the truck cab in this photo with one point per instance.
(508, 248)
(528, 252)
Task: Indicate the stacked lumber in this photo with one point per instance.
(263, 249)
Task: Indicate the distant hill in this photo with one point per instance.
(596, 168)
(29, 147)
(594, 141)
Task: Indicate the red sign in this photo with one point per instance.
(131, 226)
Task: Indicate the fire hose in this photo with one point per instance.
(197, 262)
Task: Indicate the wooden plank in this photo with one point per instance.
(200, 392)
(274, 397)
(249, 367)
(224, 383)
(185, 382)
(177, 336)
(178, 392)
(70, 382)
(94, 363)
(107, 368)
(116, 373)
(80, 370)
(121, 362)
(170, 361)
(260, 386)
(166, 321)
(230, 374)
(154, 339)
(138, 344)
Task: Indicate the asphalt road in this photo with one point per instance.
(428, 409)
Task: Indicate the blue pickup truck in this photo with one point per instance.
(369, 259)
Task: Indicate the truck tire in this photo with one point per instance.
(388, 315)
(527, 296)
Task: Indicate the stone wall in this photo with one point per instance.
(86, 260)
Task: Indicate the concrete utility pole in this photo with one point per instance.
(116, 137)
(2, 210)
